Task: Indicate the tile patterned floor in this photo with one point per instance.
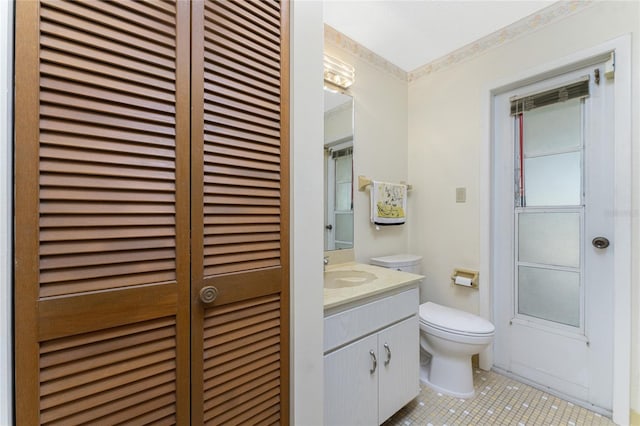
(498, 401)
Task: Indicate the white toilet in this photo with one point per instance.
(448, 337)
(451, 337)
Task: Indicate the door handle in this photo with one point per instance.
(329, 227)
(208, 294)
(600, 242)
(388, 349)
(375, 361)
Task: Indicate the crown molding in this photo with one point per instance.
(550, 14)
(336, 38)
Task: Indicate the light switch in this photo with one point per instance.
(461, 195)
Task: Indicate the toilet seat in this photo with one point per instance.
(446, 330)
(454, 321)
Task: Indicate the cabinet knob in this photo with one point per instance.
(208, 294)
(388, 350)
(375, 361)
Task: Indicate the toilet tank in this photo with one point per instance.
(399, 262)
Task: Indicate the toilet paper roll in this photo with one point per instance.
(463, 281)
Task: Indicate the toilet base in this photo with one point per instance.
(458, 369)
(424, 379)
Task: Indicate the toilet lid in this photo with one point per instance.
(455, 320)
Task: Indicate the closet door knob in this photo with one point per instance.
(208, 294)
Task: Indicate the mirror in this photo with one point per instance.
(338, 170)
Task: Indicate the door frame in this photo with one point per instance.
(6, 213)
(621, 46)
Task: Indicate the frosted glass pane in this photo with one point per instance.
(549, 294)
(344, 227)
(552, 128)
(343, 169)
(553, 180)
(343, 196)
(549, 238)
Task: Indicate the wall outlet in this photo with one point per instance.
(461, 195)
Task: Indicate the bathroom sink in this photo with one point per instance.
(342, 279)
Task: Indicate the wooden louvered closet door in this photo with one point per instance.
(240, 211)
(118, 227)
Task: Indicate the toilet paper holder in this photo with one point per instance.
(465, 278)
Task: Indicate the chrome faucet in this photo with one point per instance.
(325, 262)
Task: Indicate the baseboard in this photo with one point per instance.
(635, 418)
(584, 404)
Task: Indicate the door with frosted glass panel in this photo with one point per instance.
(555, 328)
(340, 197)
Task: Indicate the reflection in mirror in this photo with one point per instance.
(338, 170)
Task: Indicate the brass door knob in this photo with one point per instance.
(208, 294)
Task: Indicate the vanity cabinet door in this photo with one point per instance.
(350, 386)
(398, 364)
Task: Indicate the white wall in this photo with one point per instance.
(307, 214)
(380, 148)
(6, 154)
(446, 128)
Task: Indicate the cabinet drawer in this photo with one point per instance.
(349, 325)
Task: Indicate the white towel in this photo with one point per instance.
(388, 203)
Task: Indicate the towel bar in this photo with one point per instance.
(363, 182)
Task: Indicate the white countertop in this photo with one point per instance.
(386, 280)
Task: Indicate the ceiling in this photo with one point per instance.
(412, 33)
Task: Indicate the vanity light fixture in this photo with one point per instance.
(338, 73)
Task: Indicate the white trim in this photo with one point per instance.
(336, 38)
(622, 202)
(6, 216)
(306, 304)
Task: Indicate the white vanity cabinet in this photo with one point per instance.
(371, 362)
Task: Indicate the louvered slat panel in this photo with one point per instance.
(99, 284)
(84, 181)
(102, 102)
(113, 22)
(271, 9)
(100, 107)
(86, 11)
(258, 23)
(229, 111)
(221, 32)
(99, 246)
(237, 169)
(89, 144)
(256, 159)
(243, 393)
(89, 130)
(231, 96)
(84, 208)
(241, 360)
(240, 122)
(105, 220)
(87, 377)
(67, 86)
(235, 239)
(99, 259)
